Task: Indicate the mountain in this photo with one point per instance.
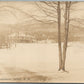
(18, 16)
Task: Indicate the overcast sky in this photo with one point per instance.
(10, 13)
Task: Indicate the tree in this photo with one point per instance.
(67, 16)
(59, 35)
(57, 9)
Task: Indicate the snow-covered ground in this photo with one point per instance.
(43, 59)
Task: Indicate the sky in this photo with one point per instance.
(16, 12)
(10, 14)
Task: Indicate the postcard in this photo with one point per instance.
(42, 41)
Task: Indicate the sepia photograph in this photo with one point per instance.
(42, 41)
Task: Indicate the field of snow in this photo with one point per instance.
(43, 59)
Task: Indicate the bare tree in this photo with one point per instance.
(59, 35)
(67, 16)
(57, 9)
(67, 19)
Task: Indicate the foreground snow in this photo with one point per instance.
(43, 59)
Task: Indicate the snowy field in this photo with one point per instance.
(42, 59)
